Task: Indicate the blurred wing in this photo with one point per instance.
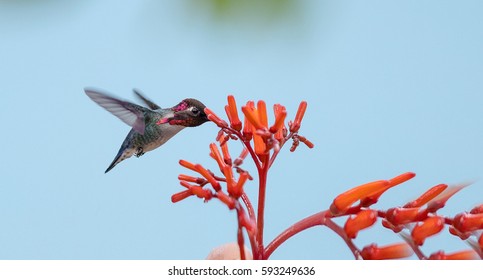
(146, 101)
(131, 114)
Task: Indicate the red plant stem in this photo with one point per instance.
(311, 221)
(318, 219)
(248, 204)
(252, 153)
(340, 231)
(251, 215)
(241, 240)
(262, 187)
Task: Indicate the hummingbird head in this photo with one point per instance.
(189, 112)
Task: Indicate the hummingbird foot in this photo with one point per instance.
(139, 152)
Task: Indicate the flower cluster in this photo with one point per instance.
(415, 222)
(263, 143)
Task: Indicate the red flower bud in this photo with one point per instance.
(226, 154)
(477, 209)
(248, 126)
(232, 113)
(227, 200)
(395, 251)
(400, 216)
(427, 196)
(214, 118)
(180, 196)
(462, 255)
(298, 117)
(251, 114)
(427, 228)
(440, 201)
(392, 182)
(466, 222)
(214, 183)
(280, 114)
(360, 221)
(343, 201)
(215, 154)
(461, 235)
(187, 164)
(187, 178)
(262, 113)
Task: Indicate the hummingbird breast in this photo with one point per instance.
(154, 136)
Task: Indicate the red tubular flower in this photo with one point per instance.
(187, 164)
(214, 183)
(360, 221)
(461, 235)
(260, 146)
(247, 125)
(465, 222)
(198, 191)
(461, 255)
(215, 154)
(226, 154)
(400, 216)
(262, 112)
(187, 178)
(392, 182)
(251, 114)
(477, 209)
(440, 201)
(214, 118)
(180, 196)
(306, 142)
(427, 196)
(401, 178)
(230, 202)
(280, 115)
(342, 202)
(427, 228)
(395, 251)
(298, 117)
(232, 113)
(241, 182)
(230, 182)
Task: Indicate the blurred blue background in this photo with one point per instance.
(391, 87)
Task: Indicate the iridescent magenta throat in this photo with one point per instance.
(183, 105)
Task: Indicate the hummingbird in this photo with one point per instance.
(151, 126)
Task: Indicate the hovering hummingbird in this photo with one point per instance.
(151, 127)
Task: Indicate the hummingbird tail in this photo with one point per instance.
(113, 163)
(111, 166)
(121, 155)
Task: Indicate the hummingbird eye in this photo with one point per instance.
(195, 111)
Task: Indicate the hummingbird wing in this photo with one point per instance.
(146, 101)
(131, 114)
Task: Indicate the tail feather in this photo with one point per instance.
(123, 154)
(115, 161)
